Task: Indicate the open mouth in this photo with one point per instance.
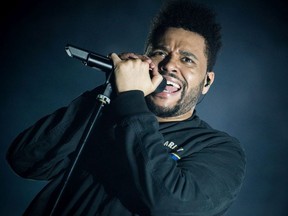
(172, 87)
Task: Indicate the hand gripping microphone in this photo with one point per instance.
(99, 62)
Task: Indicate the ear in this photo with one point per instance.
(208, 81)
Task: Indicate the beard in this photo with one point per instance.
(187, 101)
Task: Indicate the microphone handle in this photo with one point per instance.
(161, 86)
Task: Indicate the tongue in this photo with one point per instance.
(169, 88)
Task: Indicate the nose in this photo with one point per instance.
(169, 64)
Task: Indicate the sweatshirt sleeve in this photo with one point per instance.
(44, 150)
(202, 184)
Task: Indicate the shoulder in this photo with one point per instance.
(195, 135)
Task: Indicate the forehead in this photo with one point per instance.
(181, 39)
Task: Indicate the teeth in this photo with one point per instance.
(173, 84)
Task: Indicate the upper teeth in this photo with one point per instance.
(173, 84)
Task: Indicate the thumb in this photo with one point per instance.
(115, 58)
(158, 82)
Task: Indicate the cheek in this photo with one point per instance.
(189, 78)
(193, 81)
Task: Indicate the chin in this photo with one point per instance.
(162, 107)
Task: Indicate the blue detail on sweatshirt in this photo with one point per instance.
(175, 156)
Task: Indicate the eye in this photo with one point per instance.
(187, 60)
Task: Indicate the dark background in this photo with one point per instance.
(248, 98)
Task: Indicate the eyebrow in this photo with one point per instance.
(182, 52)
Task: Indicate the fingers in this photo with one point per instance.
(125, 56)
(135, 72)
(144, 58)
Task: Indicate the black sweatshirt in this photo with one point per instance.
(131, 165)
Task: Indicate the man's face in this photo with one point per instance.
(179, 55)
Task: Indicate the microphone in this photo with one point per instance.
(99, 62)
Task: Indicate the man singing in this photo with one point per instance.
(151, 154)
